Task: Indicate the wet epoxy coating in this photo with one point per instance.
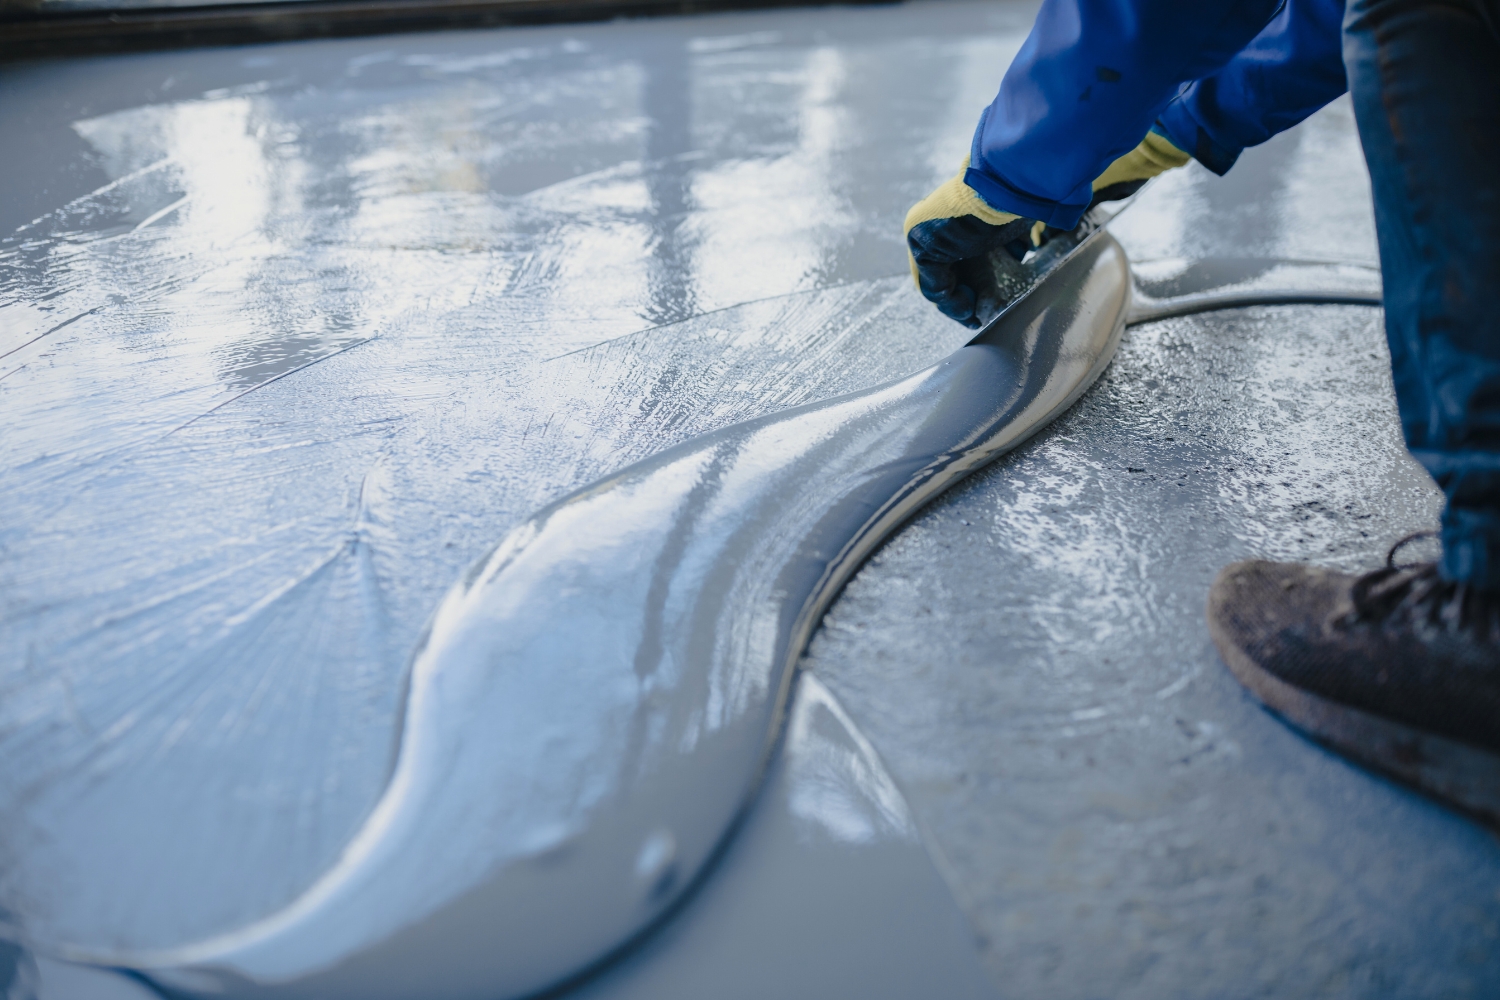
(329, 325)
(590, 708)
(826, 891)
(212, 580)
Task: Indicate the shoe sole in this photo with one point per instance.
(1457, 773)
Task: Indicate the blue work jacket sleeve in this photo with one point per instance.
(1086, 87)
(1291, 69)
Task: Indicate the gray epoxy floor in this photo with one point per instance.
(514, 261)
(299, 331)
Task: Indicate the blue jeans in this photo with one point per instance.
(1425, 77)
(1426, 83)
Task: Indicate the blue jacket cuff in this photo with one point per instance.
(1004, 198)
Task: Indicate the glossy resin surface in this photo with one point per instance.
(293, 333)
(337, 610)
(592, 705)
(826, 890)
(826, 887)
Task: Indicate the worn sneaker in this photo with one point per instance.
(1398, 669)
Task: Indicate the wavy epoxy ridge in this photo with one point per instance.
(521, 837)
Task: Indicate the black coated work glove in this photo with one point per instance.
(951, 225)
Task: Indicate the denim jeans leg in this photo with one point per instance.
(1425, 76)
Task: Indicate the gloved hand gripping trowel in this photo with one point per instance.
(952, 235)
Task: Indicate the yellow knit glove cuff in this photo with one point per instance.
(952, 199)
(1156, 154)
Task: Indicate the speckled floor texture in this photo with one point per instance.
(1030, 656)
(290, 334)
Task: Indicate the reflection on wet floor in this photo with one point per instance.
(524, 258)
(290, 334)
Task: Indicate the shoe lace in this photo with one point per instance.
(1418, 593)
(1415, 536)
